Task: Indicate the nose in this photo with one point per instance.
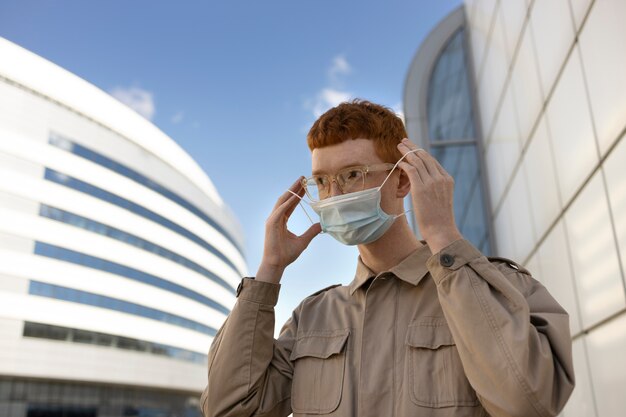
(334, 188)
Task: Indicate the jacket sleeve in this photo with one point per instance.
(512, 336)
(249, 372)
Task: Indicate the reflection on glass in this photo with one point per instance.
(450, 118)
(449, 103)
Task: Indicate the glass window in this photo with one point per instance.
(104, 161)
(513, 16)
(135, 208)
(615, 171)
(83, 336)
(51, 410)
(491, 81)
(525, 82)
(571, 129)
(599, 284)
(523, 235)
(554, 34)
(606, 346)
(5, 390)
(472, 222)
(124, 306)
(604, 62)
(503, 148)
(557, 276)
(450, 118)
(126, 343)
(53, 251)
(581, 403)
(448, 95)
(46, 331)
(539, 170)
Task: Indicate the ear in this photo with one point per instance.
(404, 185)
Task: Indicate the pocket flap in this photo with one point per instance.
(319, 344)
(429, 334)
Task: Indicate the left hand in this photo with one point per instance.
(432, 191)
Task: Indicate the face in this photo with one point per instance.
(331, 159)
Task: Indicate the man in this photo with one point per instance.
(426, 328)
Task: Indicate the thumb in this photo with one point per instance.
(311, 232)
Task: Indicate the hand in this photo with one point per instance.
(282, 247)
(432, 192)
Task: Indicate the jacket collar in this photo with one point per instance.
(411, 269)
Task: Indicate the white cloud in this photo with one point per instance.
(178, 117)
(138, 99)
(340, 66)
(397, 109)
(332, 94)
(325, 99)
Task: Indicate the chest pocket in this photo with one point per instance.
(319, 370)
(434, 368)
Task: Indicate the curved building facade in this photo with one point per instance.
(118, 259)
(441, 115)
(547, 80)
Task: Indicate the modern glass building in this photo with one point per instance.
(534, 94)
(118, 259)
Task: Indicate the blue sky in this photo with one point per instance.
(238, 84)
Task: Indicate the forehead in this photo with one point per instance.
(353, 152)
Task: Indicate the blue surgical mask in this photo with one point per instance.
(355, 218)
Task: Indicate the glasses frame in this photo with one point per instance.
(365, 169)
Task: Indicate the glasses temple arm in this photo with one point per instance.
(394, 167)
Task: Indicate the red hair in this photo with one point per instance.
(359, 119)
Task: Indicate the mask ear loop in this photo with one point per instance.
(389, 175)
(300, 204)
(394, 167)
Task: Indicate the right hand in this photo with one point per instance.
(282, 247)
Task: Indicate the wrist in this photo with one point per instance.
(269, 273)
(440, 240)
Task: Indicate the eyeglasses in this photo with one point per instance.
(349, 180)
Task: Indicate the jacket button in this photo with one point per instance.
(446, 259)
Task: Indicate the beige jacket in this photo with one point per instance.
(450, 334)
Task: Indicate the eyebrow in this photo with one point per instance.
(353, 164)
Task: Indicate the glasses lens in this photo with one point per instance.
(317, 188)
(351, 180)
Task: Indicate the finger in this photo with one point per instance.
(407, 142)
(440, 168)
(310, 233)
(429, 163)
(427, 159)
(291, 202)
(285, 196)
(290, 210)
(414, 176)
(416, 161)
(409, 151)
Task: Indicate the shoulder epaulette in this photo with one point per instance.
(324, 289)
(510, 263)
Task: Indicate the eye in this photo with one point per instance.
(320, 181)
(350, 175)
